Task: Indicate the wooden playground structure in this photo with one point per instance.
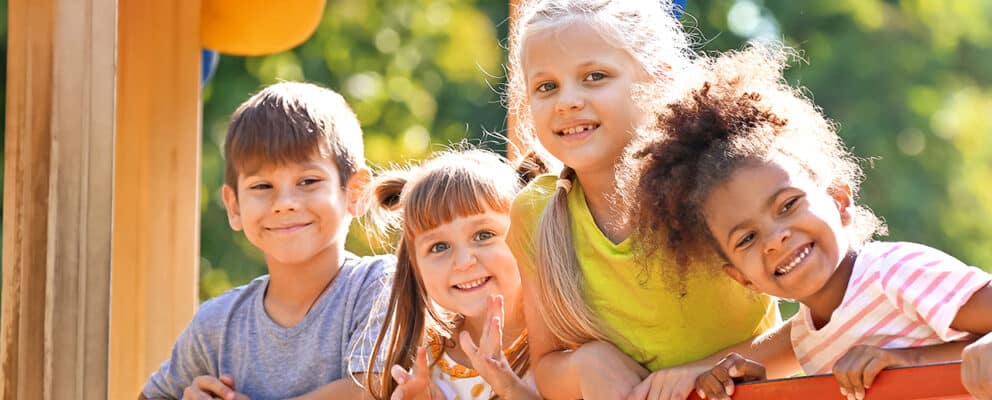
(102, 184)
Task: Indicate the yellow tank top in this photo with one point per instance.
(663, 324)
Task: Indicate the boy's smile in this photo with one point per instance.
(295, 213)
(782, 233)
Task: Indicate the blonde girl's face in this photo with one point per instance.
(580, 87)
(464, 261)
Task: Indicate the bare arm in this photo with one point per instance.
(773, 349)
(594, 370)
(975, 316)
(344, 388)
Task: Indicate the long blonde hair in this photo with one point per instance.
(411, 201)
(647, 30)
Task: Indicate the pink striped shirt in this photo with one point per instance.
(899, 295)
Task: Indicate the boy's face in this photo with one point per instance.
(297, 212)
(782, 233)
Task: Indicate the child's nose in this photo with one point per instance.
(285, 201)
(569, 100)
(464, 258)
(776, 240)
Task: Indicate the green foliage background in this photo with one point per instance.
(909, 82)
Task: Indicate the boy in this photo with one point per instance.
(294, 179)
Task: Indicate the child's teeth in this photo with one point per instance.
(797, 260)
(577, 129)
(472, 284)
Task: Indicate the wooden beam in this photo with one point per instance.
(25, 212)
(157, 180)
(59, 187)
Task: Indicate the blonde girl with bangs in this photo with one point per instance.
(605, 318)
(455, 326)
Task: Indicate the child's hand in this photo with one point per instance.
(857, 369)
(488, 358)
(976, 368)
(718, 382)
(605, 372)
(418, 385)
(669, 384)
(208, 387)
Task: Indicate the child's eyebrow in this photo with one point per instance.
(768, 203)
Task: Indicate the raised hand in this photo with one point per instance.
(416, 385)
(488, 359)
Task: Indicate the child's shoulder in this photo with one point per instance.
(214, 313)
(532, 200)
(894, 252)
(886, 260)
(367, 268)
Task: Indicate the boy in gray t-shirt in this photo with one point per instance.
(295, 177)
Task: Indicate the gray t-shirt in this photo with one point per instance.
(232, 334)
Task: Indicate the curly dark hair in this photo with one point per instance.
(742, 112)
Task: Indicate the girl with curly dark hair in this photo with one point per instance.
(748, 167)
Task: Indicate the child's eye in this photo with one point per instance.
(744, 241)
(484, 235)
(595, 76)
(260, 186)
(439, 247)
(545, 87)
(309, 181)
(789, 204)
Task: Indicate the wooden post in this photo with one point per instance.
(59, 168)
(25, 211)
(157, 198)
(84, 173)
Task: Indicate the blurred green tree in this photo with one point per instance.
(908, 82)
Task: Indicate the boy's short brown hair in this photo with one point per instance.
(292, 122)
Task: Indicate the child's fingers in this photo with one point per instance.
(640, 392)
(736, 366)
(495, 348)
(399, 375)
(228, 380)
(468, 346)
(845, 373)
(874, 367)
(710, 387)
(212, 385)
(192, 393)
(721, 372)
(420, 370)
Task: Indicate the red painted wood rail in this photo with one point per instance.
(928, 382)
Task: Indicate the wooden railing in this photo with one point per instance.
(935, 381)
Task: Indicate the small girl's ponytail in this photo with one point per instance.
(559, 276)
(385, 216)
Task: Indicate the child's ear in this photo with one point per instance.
(738, 276)
(230, 198)
(843, 199)
(357, 190)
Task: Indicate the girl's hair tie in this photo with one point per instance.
(564, 183)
